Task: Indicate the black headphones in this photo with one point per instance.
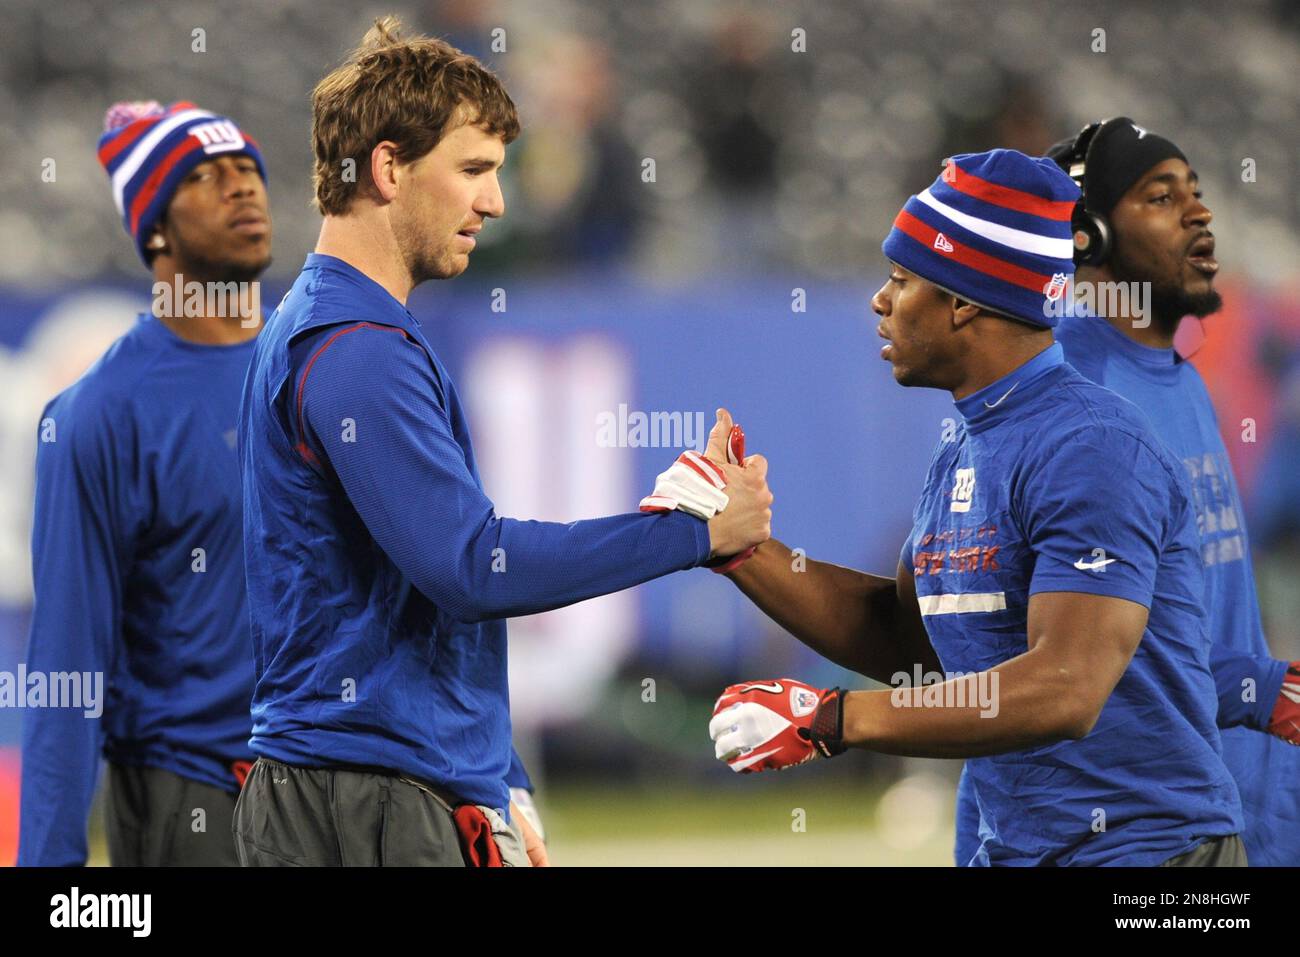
(1092, 232)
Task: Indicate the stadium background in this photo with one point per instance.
(777, 171)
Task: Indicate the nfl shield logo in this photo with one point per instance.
(802, 702)
(1056, 287)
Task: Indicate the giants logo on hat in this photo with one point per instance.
(219, 136)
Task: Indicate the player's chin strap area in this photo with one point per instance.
(827, 729)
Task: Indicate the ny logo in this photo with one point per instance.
(218, 136)
(963, 490)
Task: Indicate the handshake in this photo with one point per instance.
(757, 726)
(725, 489)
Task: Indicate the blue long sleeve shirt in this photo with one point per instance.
(379, 574)
(137, 558)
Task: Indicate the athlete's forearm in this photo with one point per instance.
(849, 617)
(1023, 703)
(513, 567)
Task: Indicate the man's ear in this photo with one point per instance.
(383, 170)
(963, 312)
(156, 244)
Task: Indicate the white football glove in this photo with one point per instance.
(692, 484)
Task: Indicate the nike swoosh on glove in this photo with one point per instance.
(773, 725)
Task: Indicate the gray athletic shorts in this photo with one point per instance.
(155, 818)
(1216, 852)
(333, 817)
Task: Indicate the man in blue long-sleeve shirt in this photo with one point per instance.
(379, 574)
(136, 546)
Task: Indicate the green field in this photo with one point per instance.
(843, 826)
(910, 824)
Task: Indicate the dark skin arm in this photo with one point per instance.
(866, 623)
(1079, 647)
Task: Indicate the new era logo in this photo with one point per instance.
(941, 243)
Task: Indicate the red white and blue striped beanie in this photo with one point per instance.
(993, 229)
(148, 149)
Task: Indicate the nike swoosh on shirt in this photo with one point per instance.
(774, 688)
(1092, 566)
(994, 405)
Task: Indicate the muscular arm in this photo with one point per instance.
(1079, 647)
(866, 623)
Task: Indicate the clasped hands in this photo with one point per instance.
(723, 487)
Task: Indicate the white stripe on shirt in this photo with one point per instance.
(959, 603)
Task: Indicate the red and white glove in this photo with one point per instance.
(773, 725)
(1285, 721)
(692, 484)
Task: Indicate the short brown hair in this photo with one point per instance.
(409, 91)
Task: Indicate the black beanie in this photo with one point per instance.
(1121, 153)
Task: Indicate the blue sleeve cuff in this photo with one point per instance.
(1231, 672)
(1113, 587)
(698, 531)
(517, 775)
(1272, 674)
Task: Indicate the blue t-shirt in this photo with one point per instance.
(1051, 483)
(379, 575)
(138, 562)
